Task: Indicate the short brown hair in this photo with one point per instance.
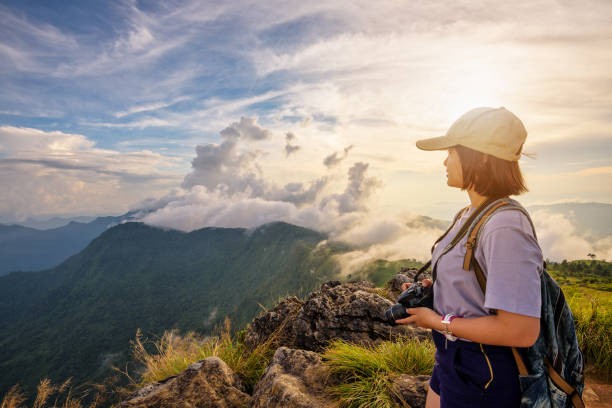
(490, 176)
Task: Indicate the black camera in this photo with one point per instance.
(416, 295)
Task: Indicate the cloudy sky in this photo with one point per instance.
(235, 113)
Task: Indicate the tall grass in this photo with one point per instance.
(366, 374)
(13, 398)
(594, 330)
(62, 394)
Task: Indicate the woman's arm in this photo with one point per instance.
(501, 329)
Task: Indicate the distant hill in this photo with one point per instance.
(42, 223)
(28, 249)
(78, 318)
(590, 219)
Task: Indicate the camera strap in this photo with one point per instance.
(460, 234)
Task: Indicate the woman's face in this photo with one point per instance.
(454, 174)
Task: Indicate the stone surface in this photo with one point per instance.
(294, 379)
(410, 391)
(276, 321)
(209, 383)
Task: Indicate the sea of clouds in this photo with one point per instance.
(227, 187)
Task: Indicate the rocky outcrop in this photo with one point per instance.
(294, 379)
(296, 376)
(209, 383)
(275, 324)
(354, 312)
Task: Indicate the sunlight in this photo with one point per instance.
(475, 85)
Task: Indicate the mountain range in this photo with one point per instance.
(77, 319)
(30, 249)
(23, 248)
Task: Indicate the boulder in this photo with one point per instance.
(410, 391)
(353, 311)
(294, 379)
(209, 383)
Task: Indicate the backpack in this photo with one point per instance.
(551, 370)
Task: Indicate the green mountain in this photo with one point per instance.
(78, 318)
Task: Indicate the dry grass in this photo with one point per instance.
(173, 353)
(63, 393)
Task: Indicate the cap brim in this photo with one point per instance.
(436, 143)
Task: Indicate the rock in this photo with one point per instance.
(275, 321)
(294, 379)
(351, 311)
(411, 391)
(209, 383)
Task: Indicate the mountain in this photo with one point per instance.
(43, 223)
(28, 249)
(78, 318)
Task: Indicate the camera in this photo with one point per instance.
(416, 295)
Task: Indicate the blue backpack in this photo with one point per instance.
(550, 371)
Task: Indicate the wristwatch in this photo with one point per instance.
(446, 321)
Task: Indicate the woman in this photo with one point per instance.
(474, 364)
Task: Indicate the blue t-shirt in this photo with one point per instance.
(511, 259)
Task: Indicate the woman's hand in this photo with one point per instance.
(424, 282)
(423, 317)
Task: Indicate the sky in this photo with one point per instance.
(236, 113)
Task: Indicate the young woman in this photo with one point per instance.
(474, 363)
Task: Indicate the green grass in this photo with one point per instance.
(587, 286)
(365, 374)
(591, 309)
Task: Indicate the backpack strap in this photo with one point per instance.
(571, 392)
(473, 239)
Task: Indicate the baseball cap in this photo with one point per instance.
(494, 131)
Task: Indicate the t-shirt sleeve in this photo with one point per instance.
(512, 259)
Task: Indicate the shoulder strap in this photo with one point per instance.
(472, 240)
(457, 238)
(463, 230)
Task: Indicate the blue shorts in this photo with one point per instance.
(474, 375)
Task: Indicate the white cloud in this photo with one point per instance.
(60, 173)
(559, 239)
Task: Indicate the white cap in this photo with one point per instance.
(494, 131)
